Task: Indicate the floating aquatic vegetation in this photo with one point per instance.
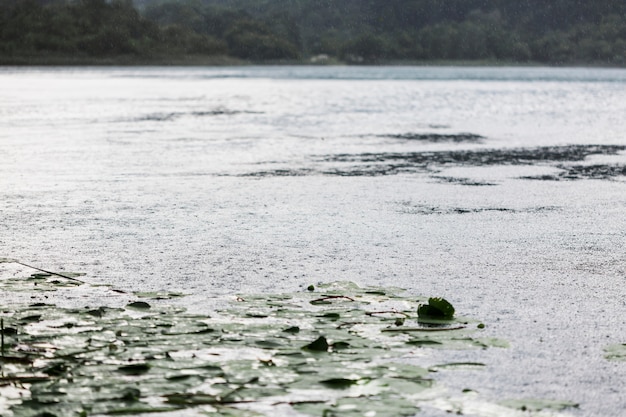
(332, 349)
(539, 404)
(436, 309)
(616, 352)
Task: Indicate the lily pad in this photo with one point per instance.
(616, 352)
(347, 357)
(140, 305)
(318, 345)
(539, 404)
(437, 308)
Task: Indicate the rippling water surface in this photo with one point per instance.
(501, 189)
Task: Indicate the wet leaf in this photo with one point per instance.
(318, 345)
(264, 349)
(159, 295)
(539, 405)
(139, 305)
(455, 365)
(437, 308)
(338, 383)
(134, 369)
(616, 352)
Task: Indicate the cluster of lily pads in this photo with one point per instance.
(334, 350)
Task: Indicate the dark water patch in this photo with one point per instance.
(482, 157)
(159, 117)
(222, 112)
(423, 209)
(433, 162)
(388, 163)
(373, 170)
(464, 181)
(436, 137)
(170, 116)
(280, 173)
(579, 172)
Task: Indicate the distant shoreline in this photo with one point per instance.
(223, 60)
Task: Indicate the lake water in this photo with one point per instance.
(500, 189)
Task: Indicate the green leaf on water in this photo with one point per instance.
(424, 342)
(264, 349)
(455, 365)
(318, 345)
(437, 308)
(539, 404)
(155, 295)
(615, 352)
(292, 329)
(139, 305)
(130, 394)
(134, 369)
(338, 383)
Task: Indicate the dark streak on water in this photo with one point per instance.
(410, 208)
(170, 116)
(463, 181)
(392, 163)
(596, 172)
(515, 156)
(436, 138)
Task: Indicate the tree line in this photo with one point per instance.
(353, 31)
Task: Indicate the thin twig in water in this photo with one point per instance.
(349, 323)
(422, 329)
(377, 313)
(331, 297)
(292, 403)
(49, 272)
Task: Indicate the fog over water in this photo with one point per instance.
(501, 189)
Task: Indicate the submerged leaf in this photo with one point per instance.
(130, 394)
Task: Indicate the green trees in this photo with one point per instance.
(236, 31)
(251, 39)
(86, 27)
(356, 31)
